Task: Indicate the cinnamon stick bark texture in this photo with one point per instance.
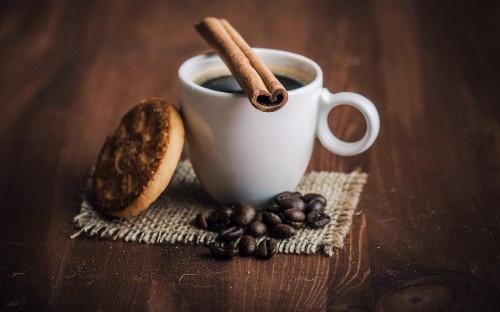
(259, 84)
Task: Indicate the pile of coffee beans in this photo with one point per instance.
(239, 225)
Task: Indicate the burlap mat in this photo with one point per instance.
(169, 219)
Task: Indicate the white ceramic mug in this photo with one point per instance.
(243, 155)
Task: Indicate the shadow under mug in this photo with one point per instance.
(242, 155)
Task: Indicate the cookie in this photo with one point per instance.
(137, 161)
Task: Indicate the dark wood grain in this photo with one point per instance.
(426, 235)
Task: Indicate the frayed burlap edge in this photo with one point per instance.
(169, 218)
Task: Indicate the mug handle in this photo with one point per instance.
(327, 101)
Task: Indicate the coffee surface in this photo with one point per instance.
(230, 85)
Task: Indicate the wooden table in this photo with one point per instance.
(426, 235)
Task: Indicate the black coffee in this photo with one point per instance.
(230, 85)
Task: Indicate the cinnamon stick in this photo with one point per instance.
(259, 84)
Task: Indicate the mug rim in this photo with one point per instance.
(187, 64)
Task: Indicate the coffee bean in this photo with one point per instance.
(294, 214)
(291, 202)
(230, 233)
(310, 196)
(271, 219)
(315, 204)
(247, 245)
(295, 224)
(224, 252)
(219, 226)
(297, 194)
(243, 215)
(220, 215)
(282, 231)
(317, 219)
(201, 221)
(281, 196)
(256, 229)
(267, 248)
